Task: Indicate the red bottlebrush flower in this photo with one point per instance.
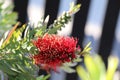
(54, 50)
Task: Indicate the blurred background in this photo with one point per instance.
(98, 21)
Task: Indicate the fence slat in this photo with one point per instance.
(21, 8)
(109, 29)
(80, 20)
(51, 9)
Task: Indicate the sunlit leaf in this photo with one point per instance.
(84, 75)
(68, 69)
(95, 68)
(112, 66)
(42, 77)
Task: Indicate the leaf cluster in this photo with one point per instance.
(95, 68)
(15, 58)
(7, 16)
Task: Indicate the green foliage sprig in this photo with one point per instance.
(7, 17)
(63, 19)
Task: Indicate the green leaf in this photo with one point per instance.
(46, 77)
(91, 67)
(83, 73)
(68, 69)
(6, 68)
(86, 50)
(87, 46)
(21, 68)
(42, 77)
(3, 38)
(15, 70)
(74, 8)
(112, 66)
(77, 59)
(95, 67)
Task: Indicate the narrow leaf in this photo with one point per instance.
(112, 66)
(83, 74)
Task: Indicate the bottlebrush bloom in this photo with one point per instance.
(54, 50)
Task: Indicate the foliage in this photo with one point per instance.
(7, 16)
(95, 68)
(42, 77)
(17, 49)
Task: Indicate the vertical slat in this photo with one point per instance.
(21, 8)
(78, 28)
(51, 9)
(35, 11)
(94, 24)
(80, 20)
(109, 29)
